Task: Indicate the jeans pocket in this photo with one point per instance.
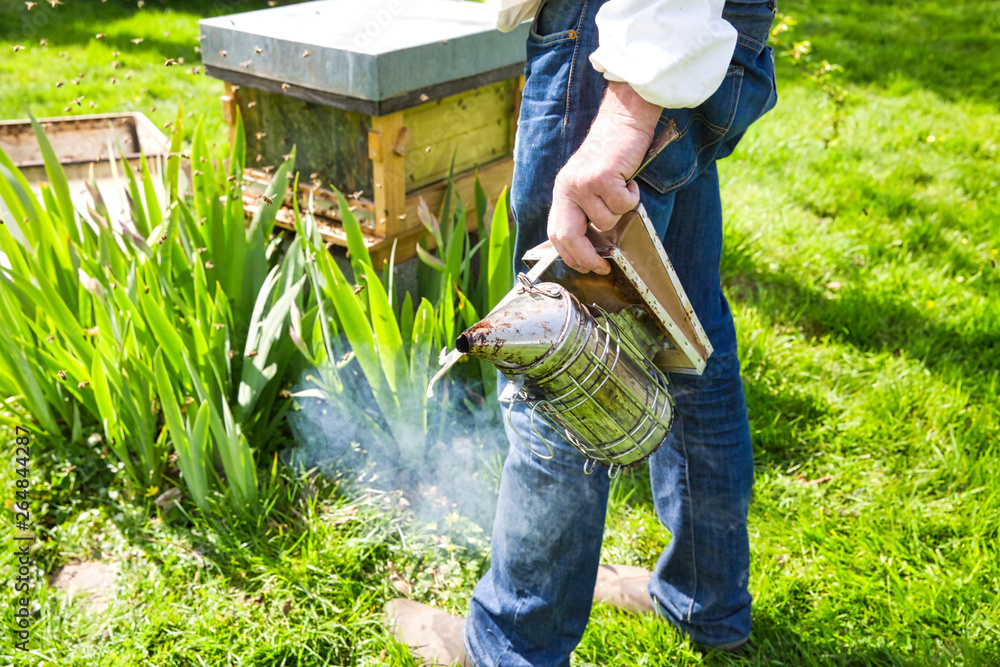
(556, 21)
(701, 130)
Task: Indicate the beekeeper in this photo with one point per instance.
(602, 77)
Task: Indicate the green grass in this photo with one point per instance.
(860, 263)
(168, 30)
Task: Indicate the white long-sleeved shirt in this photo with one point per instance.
(674, 53)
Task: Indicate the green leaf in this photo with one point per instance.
(174, 161)
(349, 311)
(355, 240)
(387, 336)
(166, 331)
(155, 215)
(193, 461)
(430, 260)
(406, 317)
(57, 178)
(500, 262)
(168, 401)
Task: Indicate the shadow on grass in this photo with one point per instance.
(77, 24)
(871, 321)
(938, 45)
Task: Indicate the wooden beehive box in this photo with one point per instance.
(378, 97)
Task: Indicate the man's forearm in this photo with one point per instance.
(622, 101)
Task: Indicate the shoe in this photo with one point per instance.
(624, 587)
(433, 636)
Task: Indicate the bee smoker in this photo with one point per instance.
(590, 353)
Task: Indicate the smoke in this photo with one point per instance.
(451, 471)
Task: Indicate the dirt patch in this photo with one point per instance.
(93, 582)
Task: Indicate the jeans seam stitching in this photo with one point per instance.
(690, 513)
(572, 63)
(746, 38)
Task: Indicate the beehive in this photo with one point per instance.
(380, 99)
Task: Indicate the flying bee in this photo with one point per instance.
(222, 53)
(358, 289)
(115, 54)
(99, 35)
(115, 64)
(209, 265)
(62, 374)
(251, 105)
(251, 354)
(170, 62)
(31, 5)
(49, 338)
(246, 63)
(43, 42)
(83, 385)
(267, 200)
(356, 195)
(257, 49)
(18, 47)
(137, 40)
(285, 87)
(55, 3)
(59, 84)
(261, 135)
(305, 54)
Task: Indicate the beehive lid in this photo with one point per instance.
(374, 57)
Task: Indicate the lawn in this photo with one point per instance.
(863, 232)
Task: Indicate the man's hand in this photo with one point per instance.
(591, 186)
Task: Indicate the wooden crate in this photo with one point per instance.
(386, 117)
(83, 144)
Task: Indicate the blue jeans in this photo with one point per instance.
(532, 606)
